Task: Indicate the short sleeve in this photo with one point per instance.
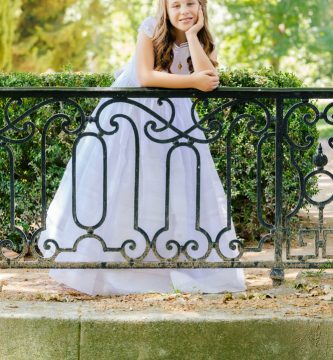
(148, 26)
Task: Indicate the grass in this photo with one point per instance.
(311, 273)
(325, 130)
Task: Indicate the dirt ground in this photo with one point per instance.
(304, 293)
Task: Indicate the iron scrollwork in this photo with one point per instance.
(219, 123)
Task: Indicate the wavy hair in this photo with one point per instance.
(164, 38)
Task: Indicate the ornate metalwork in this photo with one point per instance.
(272, 127)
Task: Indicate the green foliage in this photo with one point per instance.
(58, 150)
(89, 35)
(47, 39)
(288, 33)
(8, 23)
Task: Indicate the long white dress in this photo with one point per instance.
(118, 226)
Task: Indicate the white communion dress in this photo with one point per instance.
(125, 146)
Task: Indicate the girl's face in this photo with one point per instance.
(182, 13)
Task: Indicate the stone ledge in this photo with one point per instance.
(41, 330)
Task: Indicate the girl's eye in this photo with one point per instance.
(176, 6)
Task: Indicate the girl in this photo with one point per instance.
(151, 192)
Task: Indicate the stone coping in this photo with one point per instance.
(47, 331)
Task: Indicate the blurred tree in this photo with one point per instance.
(320, 45)
(99, 35)
(263, 32)
(9, 11)
(46, 39)
(94, 35)
(115, 32)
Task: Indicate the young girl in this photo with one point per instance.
(150, 212)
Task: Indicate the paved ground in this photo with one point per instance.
(306, 293)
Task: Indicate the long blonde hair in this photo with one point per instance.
(164, 38)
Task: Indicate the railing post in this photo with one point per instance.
(277, 272)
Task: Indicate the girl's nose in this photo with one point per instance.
(184, 9)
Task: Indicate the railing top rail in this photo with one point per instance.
(223, 92)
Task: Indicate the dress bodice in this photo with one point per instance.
(180, 55)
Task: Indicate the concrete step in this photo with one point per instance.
(45, 331)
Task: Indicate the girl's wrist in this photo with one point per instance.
(191, 36)
(194, 79)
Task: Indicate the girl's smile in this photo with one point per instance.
(186, 20)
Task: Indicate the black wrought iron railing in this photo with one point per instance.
(281, 128)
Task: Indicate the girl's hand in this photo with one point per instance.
(206, 80)
(193, 30)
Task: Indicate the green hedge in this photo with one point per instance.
(28, 157)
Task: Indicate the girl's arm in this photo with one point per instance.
(200, 60)
(147, 76)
